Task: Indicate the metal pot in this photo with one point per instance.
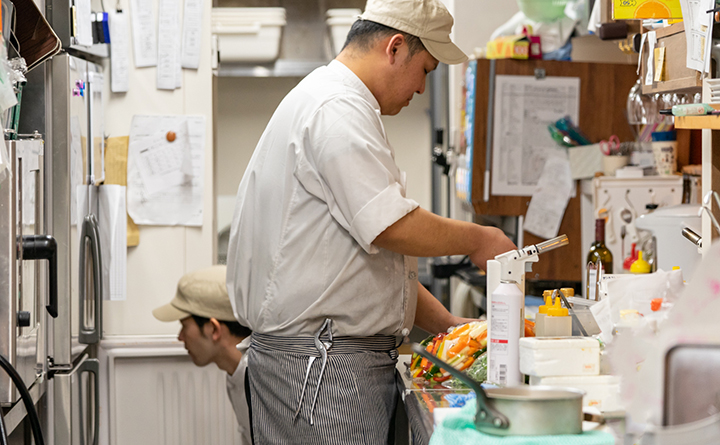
(520, 410)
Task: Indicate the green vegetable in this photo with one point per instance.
(477, 371)
(427, 341)
(434, 370)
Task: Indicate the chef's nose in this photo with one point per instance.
(180, 335)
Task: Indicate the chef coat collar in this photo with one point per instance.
(354, 82)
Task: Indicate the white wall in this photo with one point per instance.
(244, 105)
(165, 253)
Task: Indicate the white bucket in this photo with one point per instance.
(248, 34)
(339, 22)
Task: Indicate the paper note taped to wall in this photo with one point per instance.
(165, 178)
(548, 203)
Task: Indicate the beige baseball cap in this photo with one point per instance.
(202, 292)
(427, 19)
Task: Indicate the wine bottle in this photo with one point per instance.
(598, 251)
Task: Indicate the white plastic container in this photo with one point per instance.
(339, 22)
(248, 34)
(506, 327)
(601, 391)
(564, 356)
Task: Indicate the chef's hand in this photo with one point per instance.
(493, 243)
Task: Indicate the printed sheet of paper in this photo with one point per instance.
(143, 28)
(551, 196)
(698, 32)
(164, 164)
(524, 107)
(177, 203)
(84, 21)
(168, 40)
(112, 227)
(191, 33)
(119, 53)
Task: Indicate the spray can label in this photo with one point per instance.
(504, 337)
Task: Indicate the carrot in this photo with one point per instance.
(456, 333)
(529, 328)
(461, 344)
(467, 363)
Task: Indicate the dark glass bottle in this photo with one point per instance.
(598, 250)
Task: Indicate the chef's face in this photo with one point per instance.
(408, 78)
(197, 341)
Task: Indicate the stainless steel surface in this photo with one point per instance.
(8, 280)
(90, 315)
(521, 410)
(76, 404)
(571, 311)
(18, 412)
(692, 236)
(69, 146)
(692, 388)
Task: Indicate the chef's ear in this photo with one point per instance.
(215, 334)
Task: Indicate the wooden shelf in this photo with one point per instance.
(698, 122)
(711, 122)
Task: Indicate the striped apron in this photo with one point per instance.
(322, 390)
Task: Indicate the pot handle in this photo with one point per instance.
(486, 415)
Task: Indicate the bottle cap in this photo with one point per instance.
(640, 265)
(543, 308)
(556, 310)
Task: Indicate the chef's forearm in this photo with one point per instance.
(431, 315)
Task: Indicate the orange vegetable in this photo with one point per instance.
(529, 328)
(467, 363)
(456, 333)
(461, 344)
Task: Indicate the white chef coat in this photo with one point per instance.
(322, 184)
(235, 385)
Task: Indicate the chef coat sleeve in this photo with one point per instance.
(346, 161)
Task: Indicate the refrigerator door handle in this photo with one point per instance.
(89, 234)
(92, 366)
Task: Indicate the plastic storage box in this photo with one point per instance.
(601, 391)
(339, 22)
(248, 34)
(559, 356)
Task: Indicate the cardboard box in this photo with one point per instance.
(514, 47)
(646, 9)
(590, 48)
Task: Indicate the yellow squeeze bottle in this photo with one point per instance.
(542, 314)
(557, 322)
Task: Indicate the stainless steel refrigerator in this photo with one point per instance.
(76, 165)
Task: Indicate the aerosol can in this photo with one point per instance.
(506, 271)
(508, 307)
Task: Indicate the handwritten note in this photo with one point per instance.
(119, 53)
(524, 106)
(164, 164)
(191, 33)
(167, 45)
(547, 206)
(182, 202)
(143, 27)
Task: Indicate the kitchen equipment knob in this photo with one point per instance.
(23, 319)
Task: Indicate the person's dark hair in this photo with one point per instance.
(364, 33)
(235, 328)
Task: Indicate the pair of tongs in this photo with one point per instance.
(485, 415)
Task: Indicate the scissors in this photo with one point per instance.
(611, 146)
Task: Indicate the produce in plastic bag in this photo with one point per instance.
(460, 348)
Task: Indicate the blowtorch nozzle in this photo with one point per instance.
(551, 244)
